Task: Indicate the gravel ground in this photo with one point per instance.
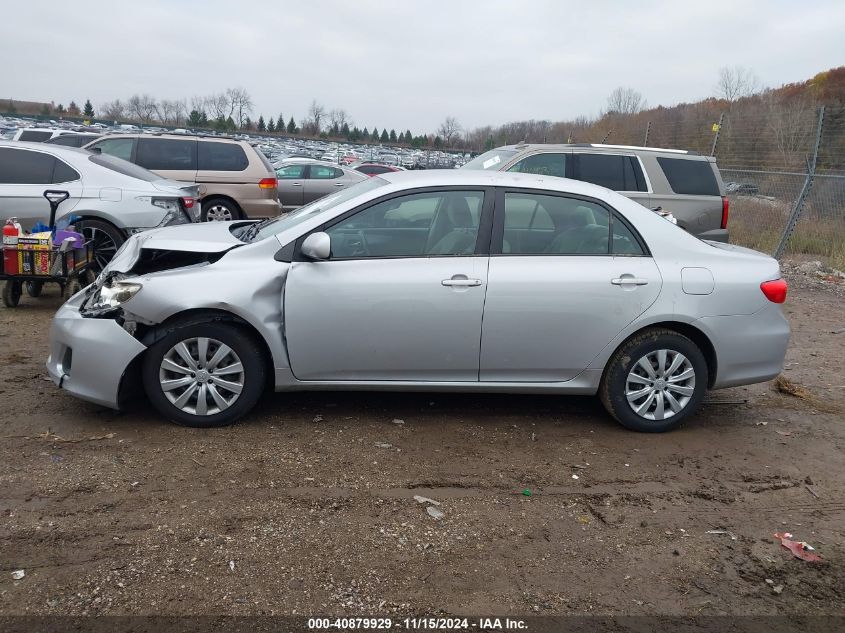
(307, 507)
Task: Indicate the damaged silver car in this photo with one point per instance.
(427, 281)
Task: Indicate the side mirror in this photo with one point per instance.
(317, 246)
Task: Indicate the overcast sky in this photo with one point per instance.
(409, 64)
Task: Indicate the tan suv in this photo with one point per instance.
(235, 180)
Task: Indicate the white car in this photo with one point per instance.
(112, 197)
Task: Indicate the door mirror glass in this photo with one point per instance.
(317, 246)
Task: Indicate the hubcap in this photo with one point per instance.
(660, 384)
(201, 376)
(218, 213)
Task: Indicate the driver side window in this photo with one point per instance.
(420, 225)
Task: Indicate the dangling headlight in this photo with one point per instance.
(114, 295)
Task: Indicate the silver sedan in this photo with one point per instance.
(303, 181)
(428, 281)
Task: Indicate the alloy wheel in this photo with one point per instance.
(219, 213)
(103, 244)
(660, 384)
(201, 376)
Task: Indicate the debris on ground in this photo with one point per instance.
(728, 532)
(232, 565)
(784, 385)
(420, 499)
(575, 477)
(527, 492)
(397, 421)
(18, 574)
(383, 445)
(811, 491)
(799, 549)
(434, 513)
(318, 418)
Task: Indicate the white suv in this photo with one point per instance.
(113, 197)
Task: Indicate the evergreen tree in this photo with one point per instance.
(203, 118)
(271, 126)
(355, 134)
(262, 127)
(230, 125)
(344, 131)
(60, 109)
(438, 142)
(393, 138)
(247, 124)
(280, 123)
(365, 134)
(195, 118)
(384, 138)
(409, 138)
(73, 109)
(88, 111)
(292, 129)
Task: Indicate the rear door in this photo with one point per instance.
(322, 180)
(24, 176)
(291, 184)
(401, 297)
(619, 172)
(566, 275)
(175, 159)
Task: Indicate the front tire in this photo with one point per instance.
(204, 375)
(655, 381)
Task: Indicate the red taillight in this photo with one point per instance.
(267, 183)
(188, 203)
(775, 290)
(725, 205)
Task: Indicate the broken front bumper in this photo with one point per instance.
(88, 357)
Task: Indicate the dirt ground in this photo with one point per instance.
(307, 507)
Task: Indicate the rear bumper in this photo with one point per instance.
(261, 208)
(749, 348)
(88, 357)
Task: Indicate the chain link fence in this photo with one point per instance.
(783, 164)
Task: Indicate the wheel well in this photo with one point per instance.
(203, 315)
(692, 333)
(220, 196)
(88, 218)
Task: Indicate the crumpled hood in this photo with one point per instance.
(205, 237)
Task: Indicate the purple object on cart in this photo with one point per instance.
(63, 234)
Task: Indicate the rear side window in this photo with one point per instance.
(34, 135)
(325, 173)
(68, 140)
(693, 177)
(22, 167)
(62, 172)
(165, 153)
(619, 173)
(214, 156)
(291, 172)
(373, 169)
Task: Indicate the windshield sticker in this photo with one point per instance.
(487, 164)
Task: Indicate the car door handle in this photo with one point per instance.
(629, 280)
(338, 184)
(296, 184)
(461, 282)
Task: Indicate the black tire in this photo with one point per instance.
(73, 286)
(107, 239)
(615, 381)
(34, 288)
(222, 210)
(246, 349)
(11, 294)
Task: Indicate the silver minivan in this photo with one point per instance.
(679, 182)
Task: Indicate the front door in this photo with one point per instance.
(291, 179)
(568, 277)
(400, 298)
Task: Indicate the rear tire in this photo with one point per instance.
(654, 381)
(34, 288)
(107, 239)
(219, 210)
(204, 375)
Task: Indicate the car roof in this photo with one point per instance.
(199, 137)
(600, 146)
(481, 178)
(49, 147)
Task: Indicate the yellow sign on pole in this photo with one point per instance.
(716, 127)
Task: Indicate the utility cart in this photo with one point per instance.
(34, 260)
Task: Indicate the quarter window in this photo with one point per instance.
(536, 224)
(545, 164)
(64, 173)
(419, 225)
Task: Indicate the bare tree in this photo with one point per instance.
(624, 101)
(218, 105)
(113, 110)
(735, 83)
(142, 107)
(239, 104)
(338, 118)
(316, 114)
(448, 130)
(792, 123)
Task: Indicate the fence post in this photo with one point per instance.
(805, 190)
(606, 136)
(647, 130)
(718, 131)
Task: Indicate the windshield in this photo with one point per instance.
(284, 222)
(494, 159)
